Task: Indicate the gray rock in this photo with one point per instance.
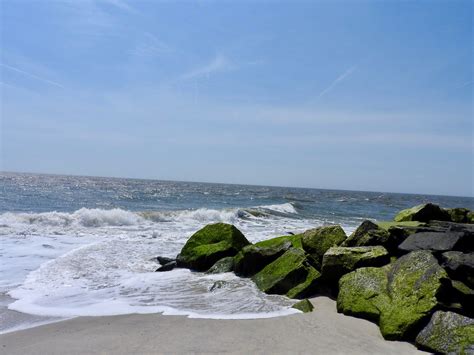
(460, 266)
(448, 333)
(164, 260)
(437, 241)
(223, 265)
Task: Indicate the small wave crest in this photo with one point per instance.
(96, 217)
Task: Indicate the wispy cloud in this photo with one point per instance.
(151, 46)
(32, 76)
(120, 4)
(338, 80)
(219, 63)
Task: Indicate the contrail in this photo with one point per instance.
(32, 75)
(338, 80)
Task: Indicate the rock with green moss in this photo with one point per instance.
(423, 213)
(369, 234)
(318, 240)
(470, 217)
(458, 215)
(253, 258)
(338, 261)
(363, 293)
(290, 275)
(448, 333)
(400, 296)
(407, 224)
(304, 306)
(210, 244)
(223, 265)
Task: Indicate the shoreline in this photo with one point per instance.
(323, 331)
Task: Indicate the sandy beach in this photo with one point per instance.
(323, 331)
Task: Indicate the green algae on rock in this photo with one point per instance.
(448, 333)
(338, 261)
(290, 274)
(253, 258)
(458, 215)
(401, 295)
(318, 240)
(423, 213)
(210, 244)
(304, 306)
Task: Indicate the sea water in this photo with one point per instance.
(86, 246)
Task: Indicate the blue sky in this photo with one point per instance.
(364, 95)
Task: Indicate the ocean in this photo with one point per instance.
(86, 246)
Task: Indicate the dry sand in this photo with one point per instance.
(323, 331)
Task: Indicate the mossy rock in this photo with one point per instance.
(423, 213)
(369, 234)
(222, 265)
(338, 261)
(363, 293)
(210, 244)
(470, 217)
(304, 306)
(400, 296)
(448, 333)
(318, 240)
(458, 215)
(290, 274)
(253, 258)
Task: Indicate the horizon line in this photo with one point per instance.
(230, 183)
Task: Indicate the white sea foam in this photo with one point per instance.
(98, 262)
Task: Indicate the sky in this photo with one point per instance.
(355, 95)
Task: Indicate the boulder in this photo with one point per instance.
(458, 215)
(253, 258)
(400, 296)
(223, 265)
(304, 306)
(460, 266)
(318, 240)
(338, 261)
(210, 244)
(290, 274)
(448, 333)
(164, 260)
(437, 241)
(167, 267)
(408, 224)
(423, 213)
(470, 217)
(368, 234)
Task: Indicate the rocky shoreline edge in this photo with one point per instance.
(413, 276)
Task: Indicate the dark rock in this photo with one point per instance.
(253, 258)
(218, 284)
(438, 241)
(399, 296)
(210, 244)
(167, 267)
(223, 265)
(448, 333)
(290, 274)
(369, 234)
(460, 266)
(164, 260)
(423, 213)
(318, 240)
(338, 261)
(304, 306)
